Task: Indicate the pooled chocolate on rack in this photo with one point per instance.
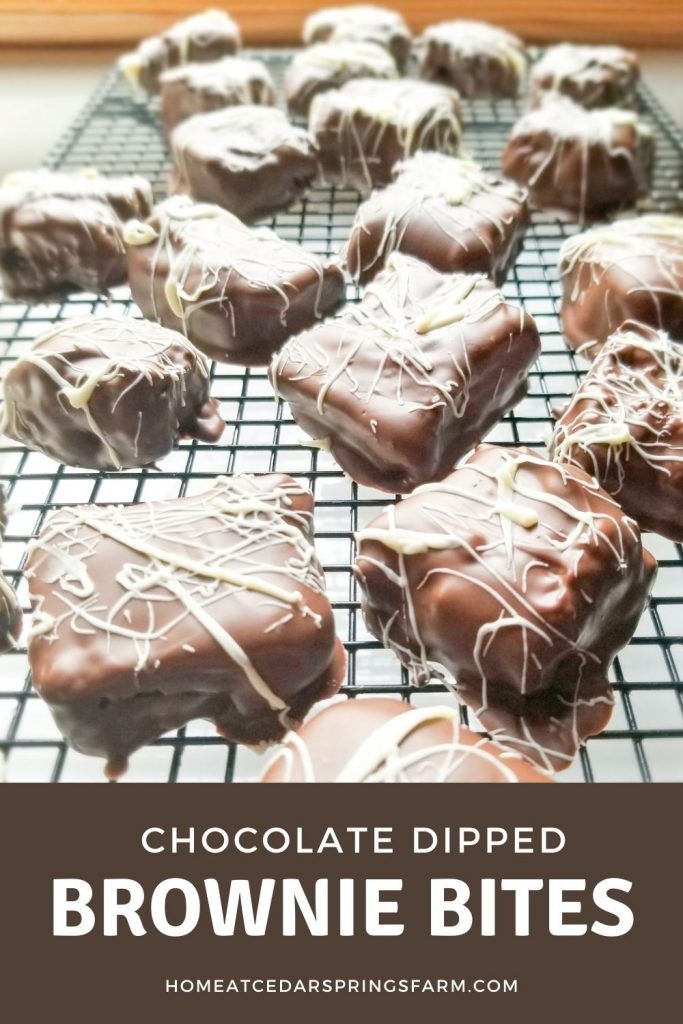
(477, 59)
(592, 76)
(236, 292)
(361, 23)
(199, 88)
(624, 426)
(150, 615)
(110, 393)
(404, 383)
(61, 231)
(201, 37)
(445, 211)
(384, 740)
(517, 581)
(365, 128)
(249, 159)
(629, 270)
(580, 164)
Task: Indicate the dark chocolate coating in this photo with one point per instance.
(236, 292)
(624, 426)
(249, 159)
(109, 392)
(151, 615)
(202, 37)
(365, 128)
(475, 58)
(628, 270)
(519, 578)
(592, 76)
(61, 231)
(382, 740)
(409, 380)
(580, 163)
(446, 212)
(330, 65)
(199, 88)
(361, 23)
(10, 611)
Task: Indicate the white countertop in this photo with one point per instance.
(41, 91)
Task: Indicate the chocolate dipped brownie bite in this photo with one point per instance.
(250, 159)
(474, 57)
(445, 211)
(151, 615)
(61, 231)
(592, 76)
(381, 740)
(580, 163)
(330, 65)
(518, 580)
(361, 23)
(201, 37)
(404, 383)
(110, 393)
(236, 292)
(624, 426)
(628, 270)
(365, 128)
(199, 88)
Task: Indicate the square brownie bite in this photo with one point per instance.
(199, 88)
(631, 269)
(445, 211)
(624, 426)
(202, 37)
(249, 159)
(363, 129)
(62, 231)
(517, 580)
(361, 23)
(474, 57)
(151, 615)
(403, 384)
(330, 65)
(236, 292)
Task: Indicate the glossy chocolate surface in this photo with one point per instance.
(199, 88)
(624, 426)
(445, 211)
(518, 580)
(109, 392)
(151, 615)
(631, 269)
(61, 231)
(475, 58)
(236, 292)
(581, 164)
(365, 128)
(249, 159)
(10, 611)
(381, 740)
(403, 384)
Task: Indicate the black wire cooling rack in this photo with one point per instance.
(118, 132)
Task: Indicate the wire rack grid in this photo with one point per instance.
(118, 132)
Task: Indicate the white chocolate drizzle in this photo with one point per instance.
(380, 759)
(265, 540)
